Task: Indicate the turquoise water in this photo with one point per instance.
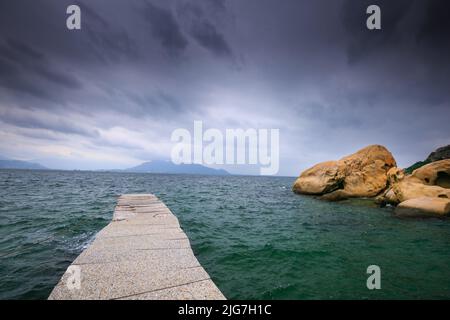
(255, 237)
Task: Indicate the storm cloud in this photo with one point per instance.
(165, 28)
(110, 95)
(202, 30)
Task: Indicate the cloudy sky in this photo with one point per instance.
(110, 95)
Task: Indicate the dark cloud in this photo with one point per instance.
(216, 4)
(407, 60)
(407, 25)
(6, 68)
(207, 36)
(139, 69)
(65, 80)
(435, 29)
(108, 42)
(103, 39)
(27, 87)
(165, 28)
(363, 41)
(25, 49)
(202, 30)
(55, 123)
(21, 63)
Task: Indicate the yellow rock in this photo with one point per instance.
(434, 174)
(362, 174)
(423, 207)
(431, 180)
(321, 178)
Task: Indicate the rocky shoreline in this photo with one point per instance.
(423, 190)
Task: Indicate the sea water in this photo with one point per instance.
(255, 238)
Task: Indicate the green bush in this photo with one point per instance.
(416, 165)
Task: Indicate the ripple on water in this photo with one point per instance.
(255, 237)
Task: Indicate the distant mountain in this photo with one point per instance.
(18, 164)
(161, 166)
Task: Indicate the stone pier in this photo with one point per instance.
(142, 254)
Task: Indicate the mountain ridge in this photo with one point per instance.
(166, 166)
(20, 164)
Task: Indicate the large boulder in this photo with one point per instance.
(431, 180)
(322, 178)
(362, 174)
(423, 207)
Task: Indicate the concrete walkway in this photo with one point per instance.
(142, 254)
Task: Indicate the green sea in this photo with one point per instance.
(256, 239)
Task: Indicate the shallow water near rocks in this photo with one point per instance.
(256, 239)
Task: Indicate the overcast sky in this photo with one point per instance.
(110, 95)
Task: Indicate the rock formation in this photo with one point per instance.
(431, 180)
(423, 207)
(372, 172)
(362, 174)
